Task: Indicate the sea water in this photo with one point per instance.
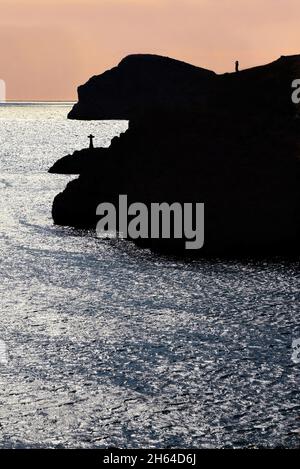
(103, 344)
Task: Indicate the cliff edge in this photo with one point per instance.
(232, 142)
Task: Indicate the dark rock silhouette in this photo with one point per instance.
(236, 148)
(141, 81)
(77, 163)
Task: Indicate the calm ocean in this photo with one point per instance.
(103, 344)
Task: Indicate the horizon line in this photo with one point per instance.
(15, 101)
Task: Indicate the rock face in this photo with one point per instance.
(77, 163)
(236, 148)
(141, 81)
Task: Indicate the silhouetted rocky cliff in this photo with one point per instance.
(237, 151)
(141, 81)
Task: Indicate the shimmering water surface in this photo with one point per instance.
(109, 345)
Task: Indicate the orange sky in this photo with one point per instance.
(48, 47)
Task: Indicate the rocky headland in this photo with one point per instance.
(231, 141)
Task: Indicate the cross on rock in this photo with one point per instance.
(91, 137)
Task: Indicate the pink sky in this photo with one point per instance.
(49, 47)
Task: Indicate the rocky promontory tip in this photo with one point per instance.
(231, 142)
(138, 82)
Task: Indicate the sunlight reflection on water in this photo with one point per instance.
(109, 345)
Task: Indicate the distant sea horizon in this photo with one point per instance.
(32, 103)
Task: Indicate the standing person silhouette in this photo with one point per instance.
(237, 66)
